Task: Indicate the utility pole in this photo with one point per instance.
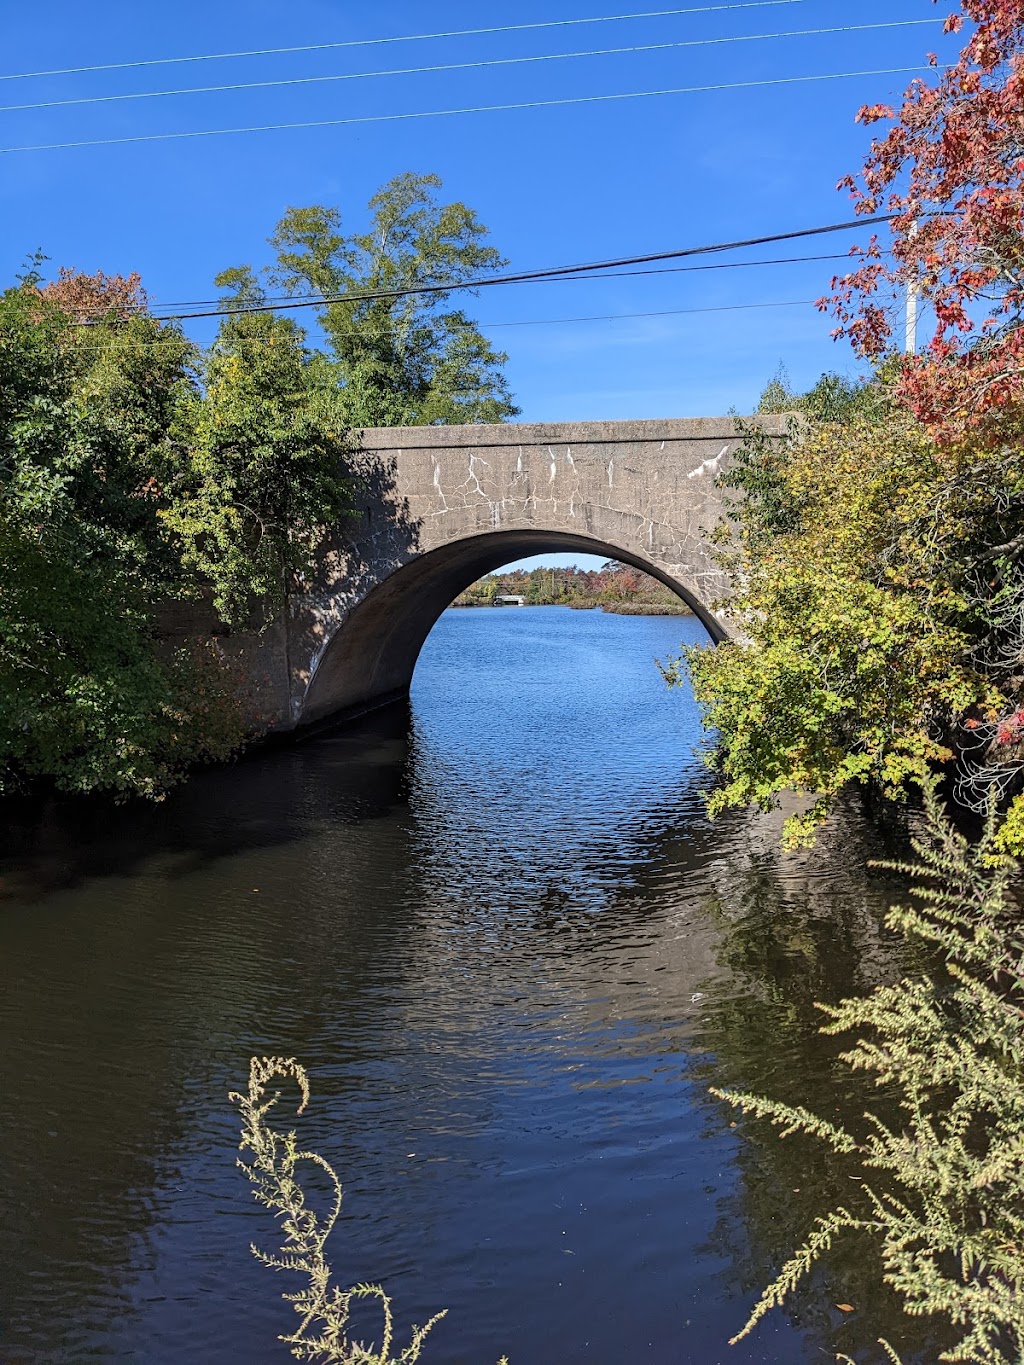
(910, 344)
(911, 341)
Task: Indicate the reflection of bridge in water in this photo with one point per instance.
(443, 506)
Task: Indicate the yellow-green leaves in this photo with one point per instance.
(858, 591)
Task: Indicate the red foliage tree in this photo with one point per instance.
(91, 298)
(951, 168)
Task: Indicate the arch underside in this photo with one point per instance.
(372, 655)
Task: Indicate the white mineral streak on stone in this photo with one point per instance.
(437, 484)
(471, 484)
(709, 466)
(629, 496)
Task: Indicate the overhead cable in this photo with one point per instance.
(138, 343)
(661, 313)
(399, 38)
(521, 277)
(472, 109)
(460, 66)
(160, 310)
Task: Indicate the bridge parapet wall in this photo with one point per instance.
(444, 505)
(647, 487)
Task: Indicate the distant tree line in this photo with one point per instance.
(613, 586)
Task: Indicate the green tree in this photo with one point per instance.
(134, 470)
(86, 446)
(880, 559)
(834, 398)
(880, 609)
(402, 361)
(265, 472)
(777, 396)
(855, 565)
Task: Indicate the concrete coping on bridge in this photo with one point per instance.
(482, 435)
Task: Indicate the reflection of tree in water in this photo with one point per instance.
(787, 942)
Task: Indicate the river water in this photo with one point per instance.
(513, 954)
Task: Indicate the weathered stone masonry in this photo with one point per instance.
(445, 505)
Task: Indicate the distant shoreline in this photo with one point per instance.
(646, 609)
(611, 608)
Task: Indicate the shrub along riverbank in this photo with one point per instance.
(878, 556)
(647, 609)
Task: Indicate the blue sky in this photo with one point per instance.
(555, 185)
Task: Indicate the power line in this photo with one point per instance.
(473, 109)
(523, 322)
(521, 277)
(401, 38)
(461, 66)
(719, 265)
(530, 276)
(661, 313)
(316, 300)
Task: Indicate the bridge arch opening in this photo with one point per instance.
(371, 657)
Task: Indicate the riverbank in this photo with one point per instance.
(646, 609)
(611, 608)
(618, 589)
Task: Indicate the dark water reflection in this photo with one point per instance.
(512, 953)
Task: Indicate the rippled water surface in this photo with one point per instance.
(512, 953)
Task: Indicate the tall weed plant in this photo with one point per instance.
(942, 1197)
(324, 1307)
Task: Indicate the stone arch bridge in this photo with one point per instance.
(443, 506)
